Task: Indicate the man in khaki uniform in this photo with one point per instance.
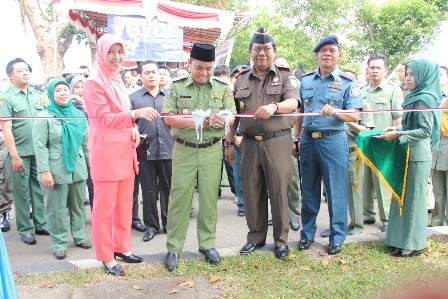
(193, 157)
(266, 165)
(21, 101)
(381, 95)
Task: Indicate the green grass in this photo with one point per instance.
(364, 270)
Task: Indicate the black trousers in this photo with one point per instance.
(155, 181)
(135, 217)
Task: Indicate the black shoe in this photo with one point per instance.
(366, 221)
(29, 239)
(149, 235)
(211, 255)
(241, 212)
(4, 222)
(250, 247)
(42, 232)
(304, 244)
(400, 253)
(325, 233)
(85, 245)
(138, 226)
(384, 229)
(130, 259)
(270, 222)
(171, 261)
(59, 254)
(294, 225)
(334, 248)
(164, 230)
(281, 252)
(115, 270)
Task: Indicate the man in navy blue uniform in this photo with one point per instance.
(323, 142)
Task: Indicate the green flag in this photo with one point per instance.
(387, 159)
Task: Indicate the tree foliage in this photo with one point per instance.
(395, 28)
(291, 44)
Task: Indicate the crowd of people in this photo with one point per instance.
(117, 134)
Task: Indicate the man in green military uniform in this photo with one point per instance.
(19, 101)
(355, 200)
(381, 95)
(196, 158)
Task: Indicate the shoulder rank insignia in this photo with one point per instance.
(347, 76)
(309, 73)
(180, 78)
(220, 80)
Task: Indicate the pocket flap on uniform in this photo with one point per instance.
(55, 156)
(242, 93)
(18, 108)
(114, 137)
(274, 90)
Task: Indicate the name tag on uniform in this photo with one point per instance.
(309, 88)
(185, 97)
(276, 84)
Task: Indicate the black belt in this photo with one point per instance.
(320, 134)
(351, 150)
(198, 145)
(267, 136)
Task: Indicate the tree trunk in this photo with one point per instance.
(49, 35)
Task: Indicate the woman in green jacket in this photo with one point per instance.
(60, 144)
(406, 234)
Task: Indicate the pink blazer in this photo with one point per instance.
(111, 147)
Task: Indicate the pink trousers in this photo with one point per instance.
(112, 217)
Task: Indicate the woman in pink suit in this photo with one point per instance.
(113, 162)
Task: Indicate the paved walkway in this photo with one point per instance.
(231, 236)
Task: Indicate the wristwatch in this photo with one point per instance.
(226, 143)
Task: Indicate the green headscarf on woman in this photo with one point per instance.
(74, 126)
(427, 90)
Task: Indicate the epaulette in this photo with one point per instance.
(180, 78)
(220, 80)
(244, 71)
(309, 73)
(347, 76)
(283, 67)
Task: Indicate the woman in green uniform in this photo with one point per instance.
(60, 144)
(407, 233)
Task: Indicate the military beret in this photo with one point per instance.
(328, 40)
(203, 52)
(239, 69)
(261, 36)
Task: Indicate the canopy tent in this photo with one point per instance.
(201, 24)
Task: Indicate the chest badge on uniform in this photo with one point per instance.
(242, 106)
(2, 102)
(185, 111)
(335, 86)
(275, 79)
(331, 103)
(307, 102)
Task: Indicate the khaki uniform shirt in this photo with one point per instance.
(386, 96)
(251, 93)
(186, 96)
(15, 103)
(365, 119)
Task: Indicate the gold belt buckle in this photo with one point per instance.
(259, 138)
(316, 135)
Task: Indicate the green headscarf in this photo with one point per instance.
(427, 90)
(74, 126)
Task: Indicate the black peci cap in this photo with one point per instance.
(203, 52)
(261, 36)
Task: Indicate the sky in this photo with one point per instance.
(17, 43)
